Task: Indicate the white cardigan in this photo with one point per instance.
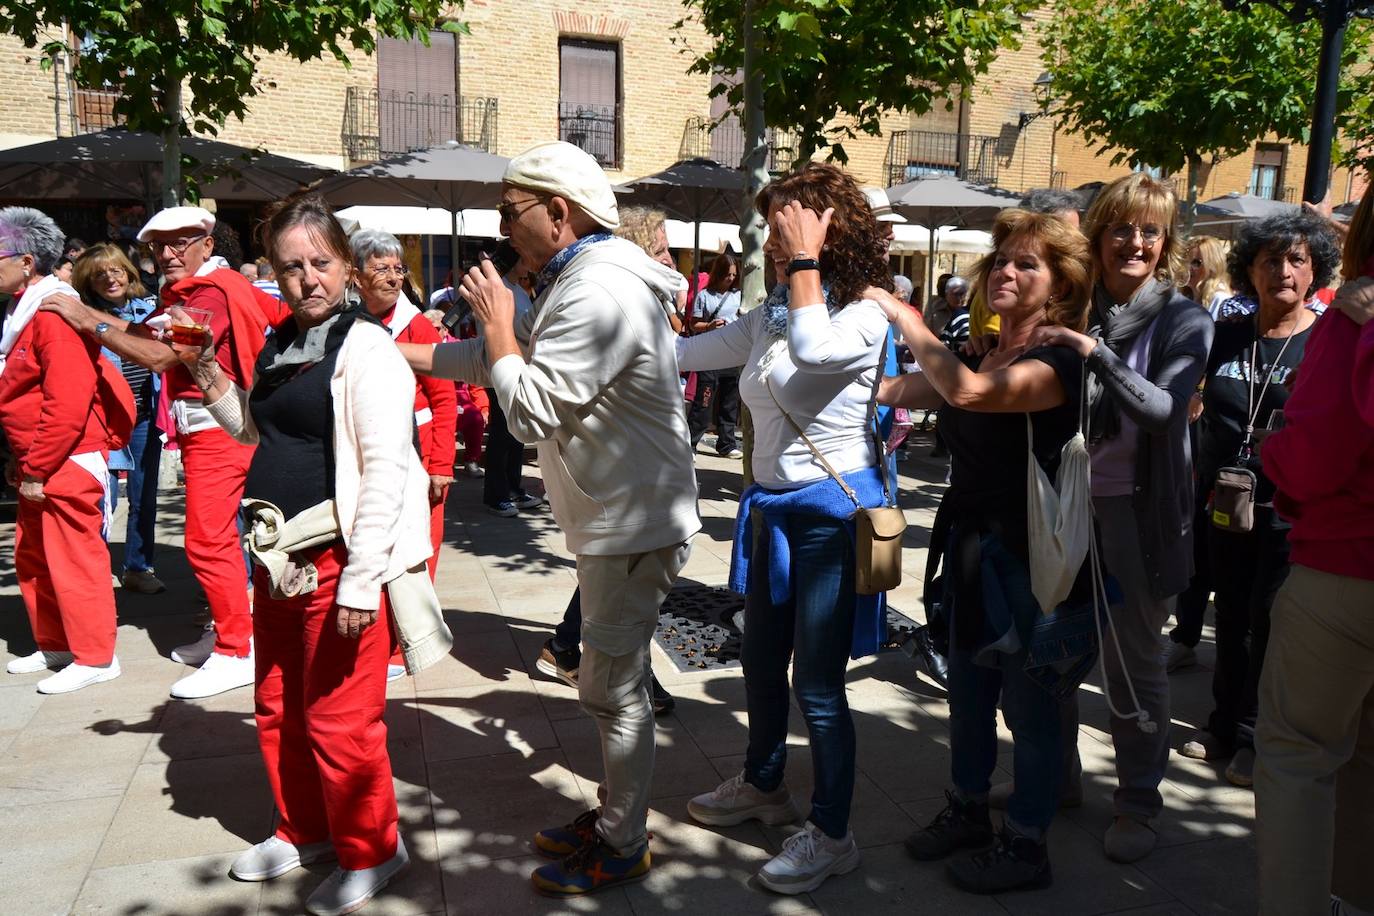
(385, 526)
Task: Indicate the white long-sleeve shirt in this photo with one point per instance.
(823, 378)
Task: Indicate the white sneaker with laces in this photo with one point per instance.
(736, 801)
(347, 891)
(219, 673)
(74, 677)
(195, 653)
(38, 661)
(807, 859)
(274, 857)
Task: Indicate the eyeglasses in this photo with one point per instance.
(111, 273)
(510, 210)
(386, 270)
(179, 246)
(5, 255)
(1124, 232)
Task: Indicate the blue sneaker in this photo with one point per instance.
(561, 842)
(592, 868)
(505, 508)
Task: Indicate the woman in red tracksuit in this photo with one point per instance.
(380, 276)
(55, 423)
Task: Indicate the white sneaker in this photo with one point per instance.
(347, 891)
(195, 653)
(74, 677)
(807, 859)
(274, 857)
(473, 469)
(38, 661)
(736, 801)
(219, 673)
(395, 672)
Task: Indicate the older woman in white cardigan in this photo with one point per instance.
(338, 514)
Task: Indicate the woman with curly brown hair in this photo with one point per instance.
(811, 356)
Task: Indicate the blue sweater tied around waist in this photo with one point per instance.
(826, 499)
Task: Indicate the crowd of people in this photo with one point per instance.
(1207, 411)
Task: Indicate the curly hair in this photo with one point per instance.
(640, 225)
(1278, 234)
(1061, 246)
(1137, 197)
(855, 253)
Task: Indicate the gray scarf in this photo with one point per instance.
(1117, 326)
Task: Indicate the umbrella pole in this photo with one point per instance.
(696, 257)
(453, 246)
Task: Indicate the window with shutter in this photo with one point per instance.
(417, 87)
(1266, 173)
(589, 98)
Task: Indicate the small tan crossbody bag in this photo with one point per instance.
(877, 531)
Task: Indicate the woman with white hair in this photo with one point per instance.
(56, 425)
(381, 273)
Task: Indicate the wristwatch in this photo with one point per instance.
(101, 328)
(797, 264)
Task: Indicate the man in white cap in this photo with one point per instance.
(216, 465)
(887, 218)
(590, 377)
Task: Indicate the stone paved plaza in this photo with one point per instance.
(118, 800)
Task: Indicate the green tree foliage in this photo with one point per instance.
(150, 50)
(824, 60)
(1183, 83)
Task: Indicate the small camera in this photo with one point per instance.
(504, 259)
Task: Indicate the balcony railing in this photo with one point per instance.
(377, 125)
(723, 141)
(595, 129)
(94, 109)
(915, 154)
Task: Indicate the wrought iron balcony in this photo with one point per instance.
(915, 154)
(723, 141)
(93, 109)
(595, 129)
(377, 125)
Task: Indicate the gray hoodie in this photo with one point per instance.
(598, 394)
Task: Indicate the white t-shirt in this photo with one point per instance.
(823, 377)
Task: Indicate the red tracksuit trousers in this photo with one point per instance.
(216, 467)
(320, 698)
(63, 567)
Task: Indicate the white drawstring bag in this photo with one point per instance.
(1059, 519)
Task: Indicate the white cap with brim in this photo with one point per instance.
(882, 207)
(563, 170)
(174, 219)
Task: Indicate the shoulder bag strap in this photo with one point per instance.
(848, 490)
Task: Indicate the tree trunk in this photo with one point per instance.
(172, 190)
(1198, 172)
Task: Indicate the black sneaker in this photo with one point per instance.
(1015, 863)
(962, 825)
(663, 700)
(560, 664)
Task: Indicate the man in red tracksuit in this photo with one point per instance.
(238, 319)
(55, 425)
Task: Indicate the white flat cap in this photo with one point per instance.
(881, 206)
(175, 218)
(565, 171)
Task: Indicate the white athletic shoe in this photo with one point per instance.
(38, 661)
(274, 857)
(736, 801)
(74, 677)
(807, 859)
(219, 673)
(195, 653)
(347, 891)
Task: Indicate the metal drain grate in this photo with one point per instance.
(696, 628)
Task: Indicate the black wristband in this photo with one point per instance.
(797, 264)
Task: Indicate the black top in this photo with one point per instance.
(1225, 396)
(988, 450)
(293, 467)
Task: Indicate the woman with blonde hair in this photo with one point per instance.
(648, 228)
(106, 279)
(1146, 351)
(1037, 277)
(1207, 275)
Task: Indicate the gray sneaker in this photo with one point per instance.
(1177, 655)
(736, 801)
(347, 891)
(274, 857)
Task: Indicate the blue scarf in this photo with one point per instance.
(551, 270)
(826, 499)
(775, 308)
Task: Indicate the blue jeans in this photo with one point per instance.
(141, 536)
(816, 626)
(1032, 712)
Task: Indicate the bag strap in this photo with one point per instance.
(1253, 404)
(830, 469)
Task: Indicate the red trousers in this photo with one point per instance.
(63, 567)
(320, 698)
(436, 535)
(471, 425)
(216, 467)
